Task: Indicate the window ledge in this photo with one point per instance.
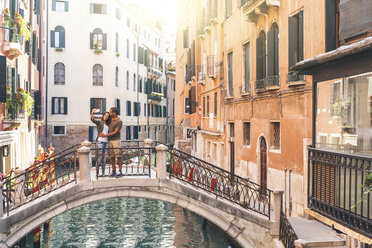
(246, 146)
(229, 97)
(97, 51)
(272, 150)
(296, 83)
(273, 88)
(245, 94)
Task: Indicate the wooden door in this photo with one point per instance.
(263, 161)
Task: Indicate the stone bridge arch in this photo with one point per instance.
(247, 228)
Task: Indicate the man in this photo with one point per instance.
(114, 141)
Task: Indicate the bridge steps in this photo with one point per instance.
(312, 233)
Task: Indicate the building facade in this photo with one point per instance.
(171, 87)
(122, 47)
(21, 82)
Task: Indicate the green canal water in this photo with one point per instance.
(130, 222)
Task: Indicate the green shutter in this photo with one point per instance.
(292, 40)
(65, 106)
(301, 36)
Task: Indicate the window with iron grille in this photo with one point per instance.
(230, 73)
(275, 135)
(247, 133)
(97, 75)
(204, 106)
(207, 105)
(59, 73)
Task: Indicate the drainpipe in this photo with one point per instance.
(289, 193)
(285, 191)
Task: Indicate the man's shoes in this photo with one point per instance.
(113, 174)
(120, 174)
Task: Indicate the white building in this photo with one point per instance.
(104, 54)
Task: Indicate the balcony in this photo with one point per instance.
(154, 96)
(13, 118)
(254, 8)
(294, 78)
(272, 83)
(212, 66)
(153, 72)
(245, 90)
(12, 46)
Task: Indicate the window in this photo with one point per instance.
(186, 38)
(129, 108)
(144, 110)
(230, 73)
(135, 132)
(204, 106)
(117, 76)
(59, 105)
(331, 24)
(96, 8)
(60, 6)
(128, 49)
(57, 37)
(187, 105)
(59, 130)
(137, 109)
(247, 71)
(118, 14)
(261, 56)
(98, 40)
(228, 8)
(134, 82)
(127, 80)
(273, 54)
(275, 135)
(173, 107)
(117, 105)
(247, 133)
(140, 85)
(98, 103)
(215, 104)
(134, 52)
(116, 42)
(164, 111)
(97, 75)
(207, 106)
(128, 132)
(232, 130)
(59, 73)
(296, 38)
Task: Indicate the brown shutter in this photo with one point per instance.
(270, 52)
(192, 100)
(330, 25)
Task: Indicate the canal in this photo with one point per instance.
(129, 222)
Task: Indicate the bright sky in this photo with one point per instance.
(165, 9)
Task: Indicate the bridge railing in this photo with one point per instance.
(286, 232)
(219, 182)
(136, 161)
(39, 179)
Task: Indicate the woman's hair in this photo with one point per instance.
(108, 120)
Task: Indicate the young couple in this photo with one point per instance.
(109, 136)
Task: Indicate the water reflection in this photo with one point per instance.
(130, 222)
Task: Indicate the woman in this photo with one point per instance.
(102, 127)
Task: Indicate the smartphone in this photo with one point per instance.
(97, 111)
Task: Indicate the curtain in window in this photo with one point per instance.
(59, 73)
(97, 74)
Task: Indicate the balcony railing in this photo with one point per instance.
(334, 188)
(294, 76)
(155, 96)
(212, 66)
(272, 82)
(154, 72)
(260, 85)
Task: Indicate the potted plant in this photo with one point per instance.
(20, 28)
(341, 107)
(97, 51)
(20, 100)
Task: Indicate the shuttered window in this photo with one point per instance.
(57, 37)
(261, 56)
(117, 76)
(192, 97)
(230, 73)
(247, 71)
(59, 105)
(203, 106)
(96, 8)
(127, 80)
(116, 42)
(186, 38)
(215, 104)
(331, 30)
(273, 51)
(98, 104)
(3, 81)
(117, 103)
(129, 108)
(98, 40)
(296, 38)
(57, 5)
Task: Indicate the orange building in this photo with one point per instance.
(238, 105)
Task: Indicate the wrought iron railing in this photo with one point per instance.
(189, 73)
(260, 85)
(212, 68)
(39, 180)
(219, 182)
(272, 81)
(136, 160)
(286, 233)
(334, 188)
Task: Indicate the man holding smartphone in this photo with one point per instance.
(114, 141)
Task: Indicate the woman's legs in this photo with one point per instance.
(104, 146)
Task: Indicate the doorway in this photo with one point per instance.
(263, 163)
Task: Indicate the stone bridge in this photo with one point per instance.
(248, 228)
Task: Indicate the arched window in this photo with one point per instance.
(134, 52)
(58, 37)
(261, 56)
(59, 73)
(117, 42)
(98, 39)
(127, 48)
(273, 54)
(97, 75)
(127, 80)
(116, 76)
(134, 82)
